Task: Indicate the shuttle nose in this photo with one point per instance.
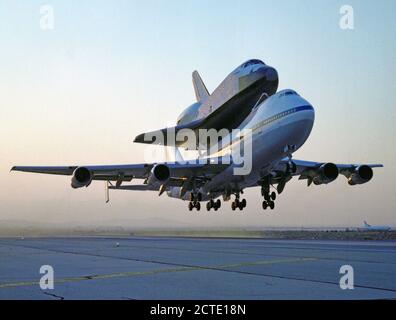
(271, 74)
(268, 76)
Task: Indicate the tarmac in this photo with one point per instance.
(173, 268)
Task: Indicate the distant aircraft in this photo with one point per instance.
(368, 227)
(278, 123)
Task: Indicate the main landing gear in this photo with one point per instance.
(213, 204)
(238, 204)
(269, 199)
(195, 201)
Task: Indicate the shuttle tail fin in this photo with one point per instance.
(199, 87)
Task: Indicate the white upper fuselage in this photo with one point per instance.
(284, 119)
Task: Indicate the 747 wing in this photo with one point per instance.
(157, 176)
(321, 172)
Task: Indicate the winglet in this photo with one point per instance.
(199, 87)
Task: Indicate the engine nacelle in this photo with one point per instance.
(361, 175)
(160, 174)
(82, 177)
(327, 173)
(178, 193)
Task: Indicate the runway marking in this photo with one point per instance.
(266, 262)
(156, 271)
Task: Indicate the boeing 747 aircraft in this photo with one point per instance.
(369, 227)
(272, 126)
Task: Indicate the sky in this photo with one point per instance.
(78, 94)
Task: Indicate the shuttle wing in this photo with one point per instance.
(228, 116)
(167, 136)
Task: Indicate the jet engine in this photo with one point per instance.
(327, 173)
(362, 174)
(159, 174)
(82, 177)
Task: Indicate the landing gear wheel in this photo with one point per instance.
(208, 206)
(190, 206)
(244, 203)
(218, 204)
(273, 196)
(272, 205)
(233, 206)
(240, 206)
(265, 205)
(198, 206)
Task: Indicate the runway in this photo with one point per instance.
(195, 268)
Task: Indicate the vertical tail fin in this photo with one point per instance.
(200, 89)
(366, 224)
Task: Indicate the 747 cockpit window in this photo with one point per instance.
(288, 93)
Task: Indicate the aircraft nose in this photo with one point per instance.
(271, 74)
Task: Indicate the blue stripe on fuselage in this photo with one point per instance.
(281, 115)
